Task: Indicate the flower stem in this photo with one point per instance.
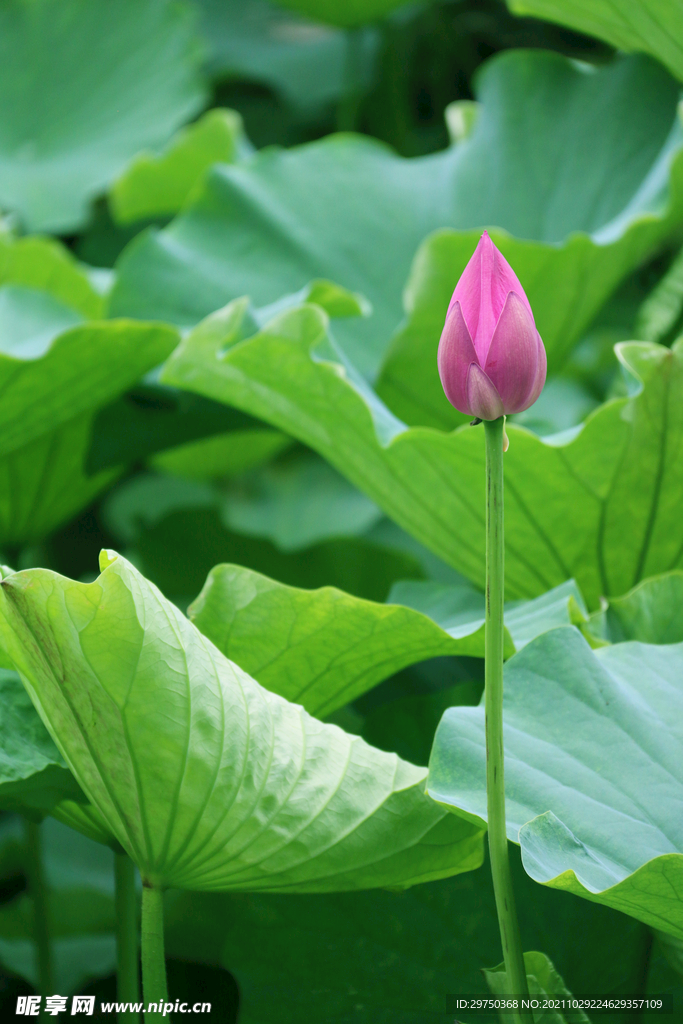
(153, 962)
(127, 968)
(350, 102)
(37, 889)
(495, 782)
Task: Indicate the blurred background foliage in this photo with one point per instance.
(112, 116)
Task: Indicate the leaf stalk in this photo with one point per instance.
(37, 890)
(154, 986)
(127, 965)
(350, 102)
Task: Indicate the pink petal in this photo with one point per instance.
(484, 401)
(539, 380)
(516, 357)
(482, 290)
(455, 354)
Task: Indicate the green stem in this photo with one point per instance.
(348, 108)
(153, 963)
(395, 118)
(37, 890)
(495, 781)
(127, 969)
(644, 958)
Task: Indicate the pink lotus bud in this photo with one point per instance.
(491, 358)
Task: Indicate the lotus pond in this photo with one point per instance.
(296, 725)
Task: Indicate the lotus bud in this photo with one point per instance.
(491, 358)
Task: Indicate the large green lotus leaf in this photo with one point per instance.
(345, 13)
(33, 774)
(240, 789)
(324, 648)
(46, 265)
(80, 892)
(320, 648)
(652, 26)
(403, 712)
(576, 161)
(157, 186)
(601, 506)
(593, 778)
(44, 483)
(85, 86)
(303, 62)
(652, 612)
(393, 958)
(56, 373)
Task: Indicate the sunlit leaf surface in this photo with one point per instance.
(320, 648)
(240, 789)
(593, 779)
